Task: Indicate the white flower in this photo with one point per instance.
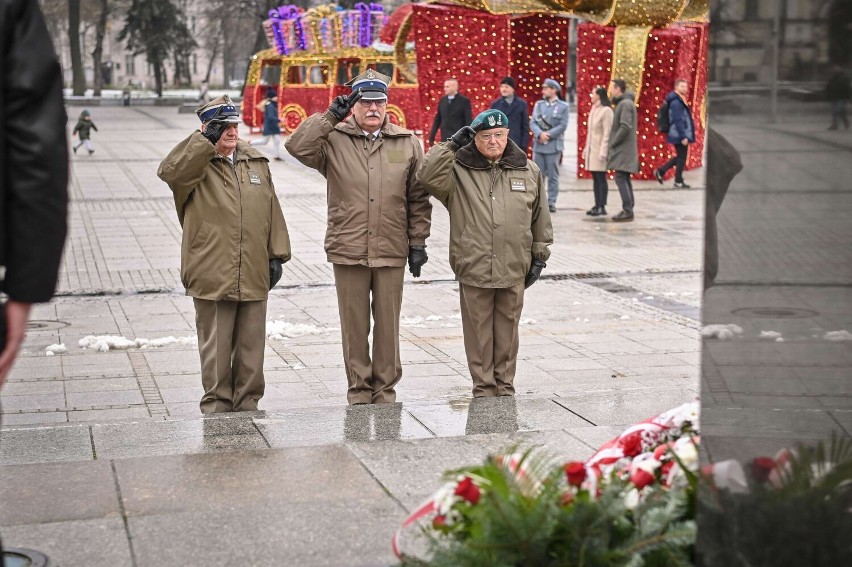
(687, 452)
(445, 497)
(730, 475)
(631, 499)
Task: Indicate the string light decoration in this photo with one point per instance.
(679, 51)
(479, 49)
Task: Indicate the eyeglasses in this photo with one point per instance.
(369, 103)
(488, 137)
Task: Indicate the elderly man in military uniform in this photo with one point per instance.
(377, 218)
(234, 244)
(499, 237)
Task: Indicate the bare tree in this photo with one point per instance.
(97, 54)
(79, 77)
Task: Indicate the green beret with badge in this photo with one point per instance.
(489, 120)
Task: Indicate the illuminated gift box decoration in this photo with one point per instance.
(678, 51)
(479, 49)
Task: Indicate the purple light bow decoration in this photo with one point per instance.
(275, 27)
(293, 15)
(364, 39)
(377, 20)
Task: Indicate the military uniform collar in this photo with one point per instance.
(513, 157)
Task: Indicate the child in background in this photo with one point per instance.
(84, 127)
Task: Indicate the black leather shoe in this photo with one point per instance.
(623, 216)
(592, 212)
(659, 176)
(601, 211)
(681, 185)
(552, 208)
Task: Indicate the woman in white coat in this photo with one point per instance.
(597, 142)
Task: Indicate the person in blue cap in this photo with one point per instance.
(378, 218)
(500, 235)
(235, 242)
(549, 121)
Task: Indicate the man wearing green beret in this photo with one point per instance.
(499, 237)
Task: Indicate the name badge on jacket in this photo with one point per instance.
(518, 185)
(254, 178)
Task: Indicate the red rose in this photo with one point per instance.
(567, 498)
(439, 521)
(664, 470)
(467, 490)
(631, 444)
(576, 473)
(641, 478)
(761, 468)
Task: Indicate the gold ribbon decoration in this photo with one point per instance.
(628, 56)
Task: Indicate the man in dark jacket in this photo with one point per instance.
(33, 171)
(837, 92)
(681, 133)
(623, 154)
(518, 112)
(454, 112)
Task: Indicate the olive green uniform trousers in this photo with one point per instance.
(490, 318)
(231, 341)
(370, 380)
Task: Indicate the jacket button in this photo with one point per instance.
(371, 200)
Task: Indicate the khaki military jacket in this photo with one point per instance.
(375, 210)
(232, 220)
(499, 219)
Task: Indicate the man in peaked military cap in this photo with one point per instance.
(234, 244)
(377, 218)
(499, 237)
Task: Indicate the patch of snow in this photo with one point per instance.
(721, 332)
(585, 320)
(625, 317)
(282, 330)
(576, 303)
(57, 348)
(106, 343)
(770, 335)
(838, 336)
(455, 316)
(779, 340)
(670, 294)
(411, 321)
(527, 322)
(297, 366)
(434, 318)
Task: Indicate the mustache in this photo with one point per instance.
(371, 113)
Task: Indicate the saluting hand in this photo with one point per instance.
(463, 137)
(342, 105)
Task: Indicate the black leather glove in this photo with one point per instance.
(534, 273)
(342, 105)
(463, 137)
(214, 130)
(416, 258)
(276, 269)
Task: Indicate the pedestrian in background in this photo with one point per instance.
(33, 173)
(681, 133)
(838, 92)
(377, 218)
(597, 146)
(453, 112)
(204, 93)
(84, 129)
(549, 121)
(500, 235)
(234, 244)
(623, 153)
(518, 112)
(271, 122)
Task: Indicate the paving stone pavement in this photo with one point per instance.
(109, 447)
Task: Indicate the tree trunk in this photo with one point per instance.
(97, 54)
(158, 77)
(211, 62)
(79, 77)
